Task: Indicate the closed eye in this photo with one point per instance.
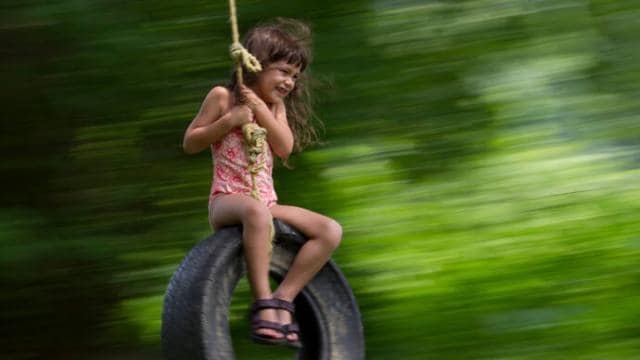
(291, 73)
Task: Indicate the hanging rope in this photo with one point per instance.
(255, 136)
(238, 53)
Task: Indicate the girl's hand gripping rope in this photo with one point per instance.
(241, 115)
(250, 98)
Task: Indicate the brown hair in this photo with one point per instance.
(286, 40)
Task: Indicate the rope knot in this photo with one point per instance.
(240, 55)
(255, 143)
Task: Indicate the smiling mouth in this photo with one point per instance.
(283, 92)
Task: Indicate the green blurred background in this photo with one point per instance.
(482, 156)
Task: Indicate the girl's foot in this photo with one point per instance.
(265, 328)
(269, 315)
(285, 318)
(285, 312)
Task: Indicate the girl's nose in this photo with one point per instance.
(289, 82)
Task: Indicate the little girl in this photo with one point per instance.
(276, 99)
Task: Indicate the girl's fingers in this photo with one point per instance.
(246, 91)
(248, 96)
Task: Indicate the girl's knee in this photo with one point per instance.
(331, 232)
(256, 214)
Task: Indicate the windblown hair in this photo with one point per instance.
(286, 40)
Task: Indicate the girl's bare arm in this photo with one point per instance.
(213, 121)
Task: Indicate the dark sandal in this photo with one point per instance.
(291, 328)
(257, 324)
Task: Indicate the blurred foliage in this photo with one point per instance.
(482, 156)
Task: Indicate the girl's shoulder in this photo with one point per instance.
(220, 91)
(222, 96)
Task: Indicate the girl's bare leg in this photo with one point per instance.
(231, 209)
(324, 236)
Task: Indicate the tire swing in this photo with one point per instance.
(195, 318)
(195, 322)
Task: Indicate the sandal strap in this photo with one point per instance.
(285, 305)
(261, 304)
(274, 303)
(292, 328)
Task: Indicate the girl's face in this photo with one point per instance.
(276, 81)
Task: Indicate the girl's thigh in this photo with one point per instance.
(233, 209)
(308, 222)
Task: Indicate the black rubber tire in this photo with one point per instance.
(195, 322)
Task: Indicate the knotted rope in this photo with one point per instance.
(255, 136)
(256, 140)
(238, 53)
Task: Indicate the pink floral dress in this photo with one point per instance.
(230, 173)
